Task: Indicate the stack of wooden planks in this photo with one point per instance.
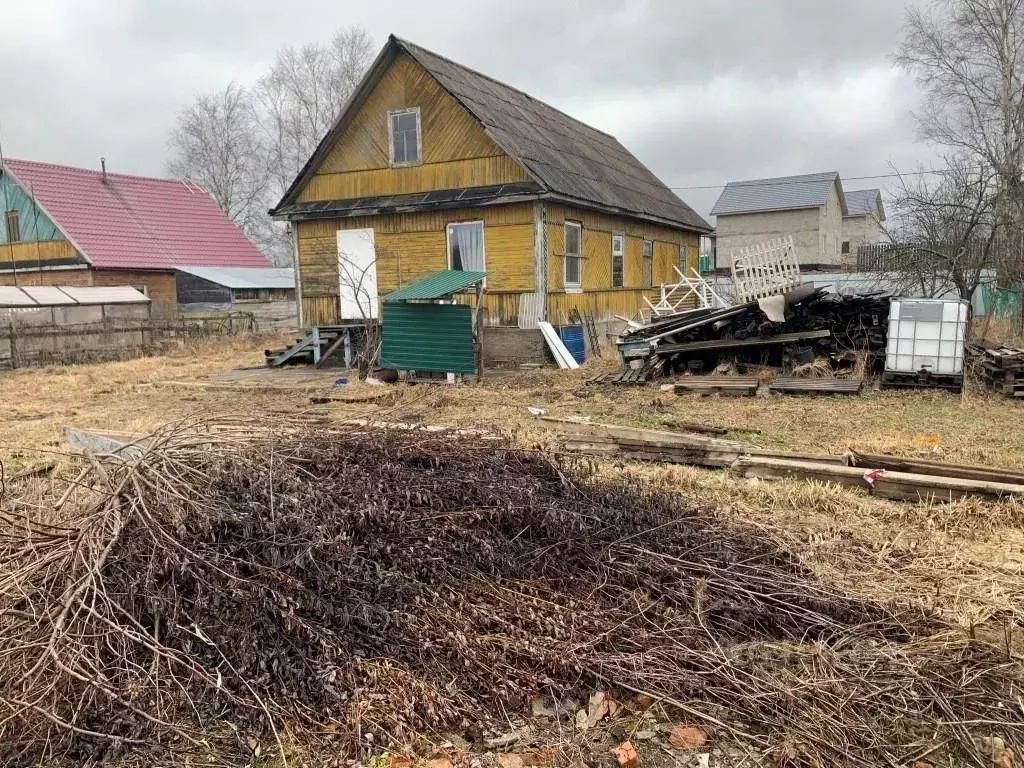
(1002, 366)
(890, 477)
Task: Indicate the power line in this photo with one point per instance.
(771, 183)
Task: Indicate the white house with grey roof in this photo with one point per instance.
(862, 224)
(813, 209)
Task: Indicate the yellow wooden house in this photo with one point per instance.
(434, 166)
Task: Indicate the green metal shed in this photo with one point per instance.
(420, 334)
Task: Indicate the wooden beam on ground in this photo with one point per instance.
(670, 447)
(900, 486)
(929, 467)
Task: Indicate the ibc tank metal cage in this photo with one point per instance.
(926, 335)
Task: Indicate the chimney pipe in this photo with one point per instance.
(103, 169)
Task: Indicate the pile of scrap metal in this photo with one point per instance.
(801, 326)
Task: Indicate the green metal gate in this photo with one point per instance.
(428, 337)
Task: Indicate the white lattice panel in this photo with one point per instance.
(764, 269)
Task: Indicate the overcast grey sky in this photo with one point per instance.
(703, 91)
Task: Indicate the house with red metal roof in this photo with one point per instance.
(73, 226)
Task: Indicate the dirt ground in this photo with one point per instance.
(963, 560)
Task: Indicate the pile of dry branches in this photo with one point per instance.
(366, 585)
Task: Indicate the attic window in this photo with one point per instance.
(13, 227)
(404, 131)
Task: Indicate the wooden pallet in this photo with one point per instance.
(736, 385)
(923, 380)
(630, 376)
(791, 385)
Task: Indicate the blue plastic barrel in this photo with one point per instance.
(572, 337)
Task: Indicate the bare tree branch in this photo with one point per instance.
(246, 146)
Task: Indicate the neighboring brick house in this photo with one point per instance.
(809, 208)
(862, 225)
(73, 226)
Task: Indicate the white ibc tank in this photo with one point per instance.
(926, 334)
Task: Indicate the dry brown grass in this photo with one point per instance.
(964, 559)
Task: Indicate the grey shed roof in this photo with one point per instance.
(783, 193)
(568, 159)
(242, 278)
(865, 202)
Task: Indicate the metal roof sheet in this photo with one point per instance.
(120, 221)
(784, 193)
(437, 286)
(48, 295)
(105, 294)
(865, 202)
(11, 296)
(244, 277)
(428, 337)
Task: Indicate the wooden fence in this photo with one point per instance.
(75, 334)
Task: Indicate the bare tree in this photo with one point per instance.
(945, 231)
(246, 146)
(968, 56)
(300, 97)
(216, 144)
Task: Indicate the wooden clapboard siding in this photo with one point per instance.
(602, 305)
(456, 150)
(455, 174)
(508, 250)
(48, 277)
(160, 286)
(597, 248)
(412, 245)
(40, 252)
(319, 310)
(404, 258)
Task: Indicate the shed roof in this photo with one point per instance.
(118, 221)
(865, 202)
(569, 159)
(241, 278)
(34, 296)
(783, 193)
(436, 286)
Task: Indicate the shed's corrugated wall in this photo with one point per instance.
(428, 337)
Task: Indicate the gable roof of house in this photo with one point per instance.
(810, 190)
(567, 159)
(135, 222)
(865, 202)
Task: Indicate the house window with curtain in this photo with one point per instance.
(618, 248)
(13, 227)
(573, 262)
(466, 246)
(648, 263)
(405, 140)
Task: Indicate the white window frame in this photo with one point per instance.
(622, 260)
(576, 286)
(448, 241)
(391, 136)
